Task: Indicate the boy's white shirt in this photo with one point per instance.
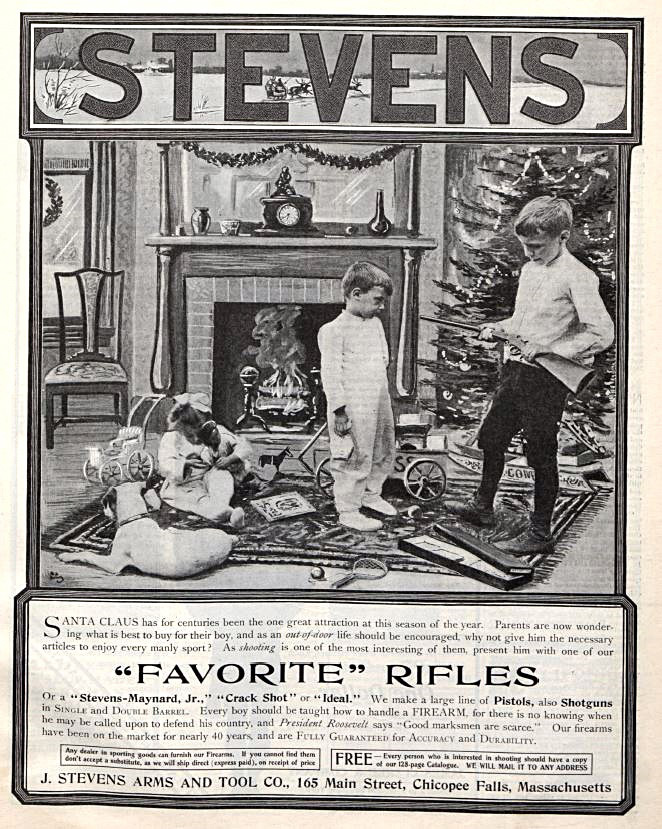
(351, 343)
(559, 307)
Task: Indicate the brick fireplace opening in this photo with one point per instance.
(269, 324)
(279, 341)
(298, 280)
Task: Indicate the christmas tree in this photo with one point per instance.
(487, 187)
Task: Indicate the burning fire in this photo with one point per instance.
(285, 391)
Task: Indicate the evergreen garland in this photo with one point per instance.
(248, 159)
(56, 202)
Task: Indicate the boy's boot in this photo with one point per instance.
(536, 538)
(357, 521)
(476, 510)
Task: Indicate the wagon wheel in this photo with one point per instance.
(140, 465)
(90, 471)
(111, 473)
(324, 478)
(425, 479)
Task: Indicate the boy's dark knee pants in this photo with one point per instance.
(527, 398)
(504, 418)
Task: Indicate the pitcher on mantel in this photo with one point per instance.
(200, 221)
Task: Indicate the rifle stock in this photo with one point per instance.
(574, 376)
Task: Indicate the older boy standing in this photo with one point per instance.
(558, 311)
(354, 360)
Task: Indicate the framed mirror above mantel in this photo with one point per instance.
(342, 197)
(197, 272)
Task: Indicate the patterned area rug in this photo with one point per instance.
(317, 539)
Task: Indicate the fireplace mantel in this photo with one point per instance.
(298, 242)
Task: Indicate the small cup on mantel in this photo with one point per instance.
(229, 227)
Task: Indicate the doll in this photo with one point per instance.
(198, 477)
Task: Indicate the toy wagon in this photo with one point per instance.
(125, 458)
(419, 467)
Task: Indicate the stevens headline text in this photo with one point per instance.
(331, 84)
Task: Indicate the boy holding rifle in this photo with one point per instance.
(559, 322)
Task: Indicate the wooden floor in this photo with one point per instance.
(587, 566)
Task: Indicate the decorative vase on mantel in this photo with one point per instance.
(379, 225)
(200, 221)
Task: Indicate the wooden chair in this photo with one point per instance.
(89, 371)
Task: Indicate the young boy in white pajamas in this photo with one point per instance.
(354, 360)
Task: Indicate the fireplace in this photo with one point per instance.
(211, 288)
(279, 342)
(235, 324)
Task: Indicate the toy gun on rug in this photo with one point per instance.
(574, 376)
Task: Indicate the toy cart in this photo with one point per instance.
(420, 469)
(125, 457)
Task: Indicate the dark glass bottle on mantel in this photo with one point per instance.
(379, 225)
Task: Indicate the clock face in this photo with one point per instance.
(288, 215)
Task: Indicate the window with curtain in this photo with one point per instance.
(63, 227)
(77, 226)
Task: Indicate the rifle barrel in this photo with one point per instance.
(465, 326)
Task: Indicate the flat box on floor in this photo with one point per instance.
(461, 561)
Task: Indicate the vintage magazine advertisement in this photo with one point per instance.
(327, 396)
